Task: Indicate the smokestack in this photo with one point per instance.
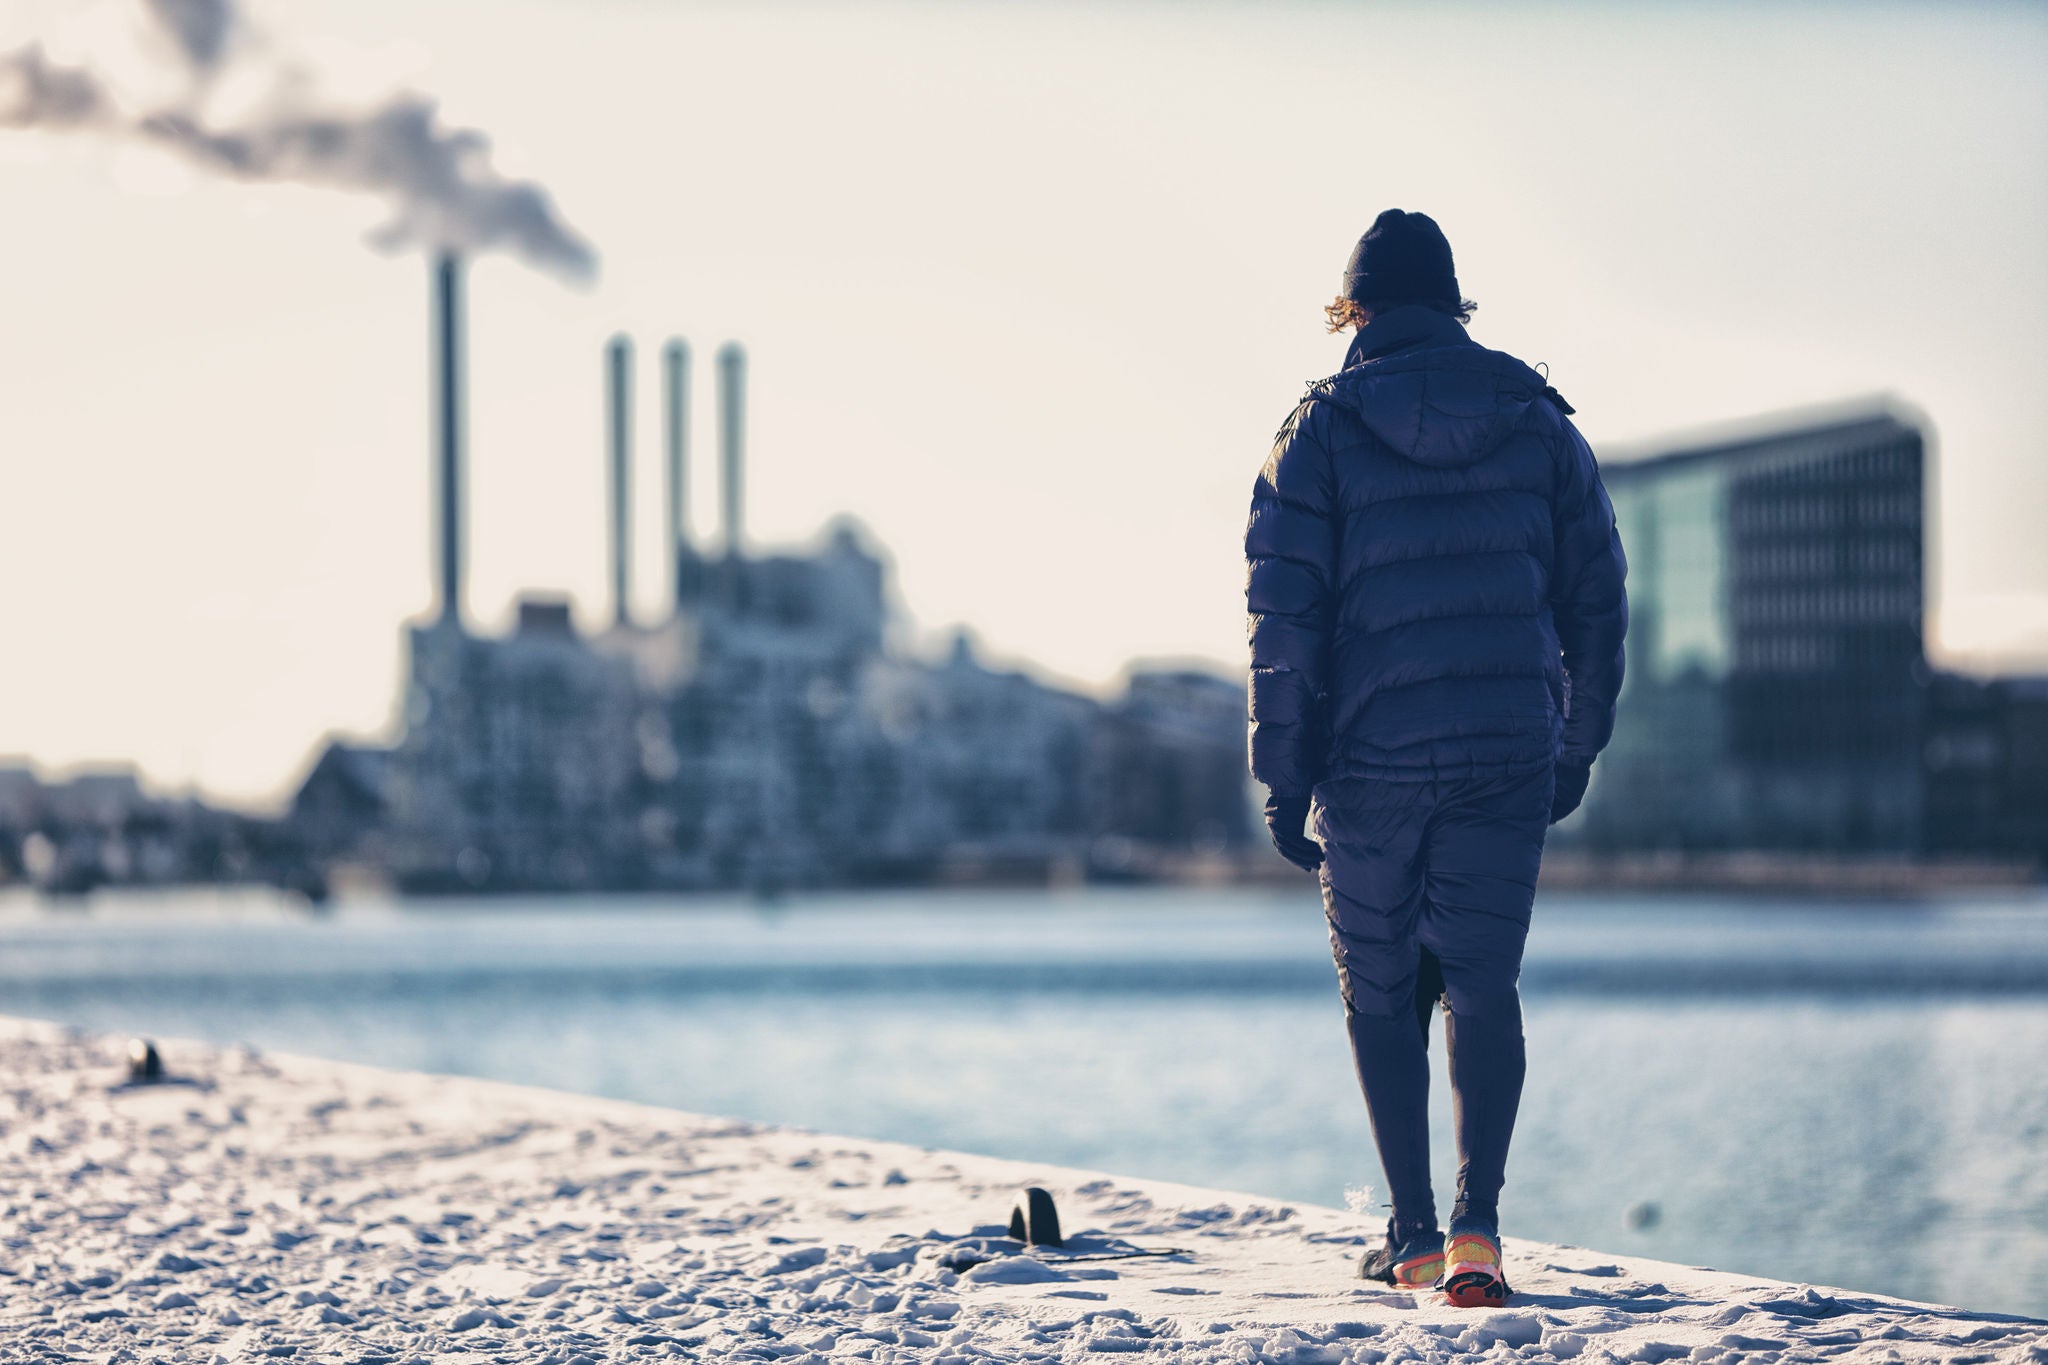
(619, 357)
(447, 329)
(676, 371)
(732, 403)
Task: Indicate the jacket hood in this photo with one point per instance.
(1425, 388)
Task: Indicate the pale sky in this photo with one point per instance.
(1026, 288)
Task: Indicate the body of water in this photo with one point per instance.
(1845, 1093)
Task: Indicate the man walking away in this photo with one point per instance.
(1436, 616)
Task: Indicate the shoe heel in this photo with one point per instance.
(1420, 1273)
(1471, 1276)
(1475, 1289)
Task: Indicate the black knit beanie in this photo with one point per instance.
(1403, 258)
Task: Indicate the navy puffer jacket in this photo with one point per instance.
(1435, 580)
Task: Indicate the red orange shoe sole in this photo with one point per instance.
(1476, 1289)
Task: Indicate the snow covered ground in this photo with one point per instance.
(258, 1207)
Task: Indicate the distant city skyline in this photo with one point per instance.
(1026, 291)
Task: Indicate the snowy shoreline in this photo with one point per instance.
(263, 1207)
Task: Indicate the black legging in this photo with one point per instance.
(1428, 888)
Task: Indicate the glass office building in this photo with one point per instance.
(1776, 679)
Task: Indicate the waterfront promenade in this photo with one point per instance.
(255, 1207)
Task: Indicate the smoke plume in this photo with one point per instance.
(443, 192)
(200, 28)
(34, 93)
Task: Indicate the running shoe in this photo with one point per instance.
(1472, 1271)
(1413, 1262)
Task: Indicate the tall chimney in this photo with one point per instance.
(447, 436)
(732, 404)
(619, 357)
(676, 371)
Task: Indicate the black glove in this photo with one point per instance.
(1571, 789)
(1286, 817)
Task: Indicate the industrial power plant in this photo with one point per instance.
(768, 733)
(1781, 721)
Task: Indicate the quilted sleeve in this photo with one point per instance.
(1587, 600)
(1289, 550)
